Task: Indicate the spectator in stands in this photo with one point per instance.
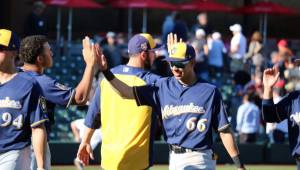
(112, 51)
(180, 28)
(168, 26)
(283, 49)
(122, 44)
(202, 23)
(254, 57)
(201, 49)
(248, 119)
(215, 56)
(240, 79)
(78, 129)
(238, 47)
(285, 55)
(35, 23)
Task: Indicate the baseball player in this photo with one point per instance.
(36, 54)
(127, 130)
(20, 114)
(190, 109)
(287, 108)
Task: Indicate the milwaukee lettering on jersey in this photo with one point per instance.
(170, 110)
(296, 118)
(7, 103)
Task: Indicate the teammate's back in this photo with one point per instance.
(130, 135)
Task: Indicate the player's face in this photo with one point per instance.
(181, 70)
(47, 56)
(6, 55)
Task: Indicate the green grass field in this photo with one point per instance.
(219, 167)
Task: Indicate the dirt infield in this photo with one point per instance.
(219, 167)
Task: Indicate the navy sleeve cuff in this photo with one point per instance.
(268, 102)
(95, 124)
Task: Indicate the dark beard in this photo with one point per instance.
(147, 63)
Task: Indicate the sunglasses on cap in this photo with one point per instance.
(179, 64)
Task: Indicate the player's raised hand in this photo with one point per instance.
(171, 41)
(101, 60)
(89, 51)
(270, 77)
(84, 153)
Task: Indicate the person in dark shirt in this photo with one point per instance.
(180, 28)
(202, 24)
(35, 23)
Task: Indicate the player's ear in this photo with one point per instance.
(39, 59)
(143, 55)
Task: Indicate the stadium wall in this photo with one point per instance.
(64, 153)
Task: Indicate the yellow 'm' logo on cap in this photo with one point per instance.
(178, 51)
(150, 40)
(5, 36)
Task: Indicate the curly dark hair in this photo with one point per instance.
(31, 47)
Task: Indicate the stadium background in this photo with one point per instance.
(68, 66)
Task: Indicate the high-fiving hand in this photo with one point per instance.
(92, 54)
(270, 77)
(101, 60)
(89, 52)
(172, 40)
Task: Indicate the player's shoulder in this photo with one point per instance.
(203, 84)
(24, 78)
(127, 70)
(37, 76)
(26, 81)
(116, 69)
(149, 77)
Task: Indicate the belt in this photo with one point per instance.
(179, 149)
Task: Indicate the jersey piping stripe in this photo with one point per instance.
(223, 127)
(71, 99)
(39, 122)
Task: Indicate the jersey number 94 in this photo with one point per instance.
(7, 119)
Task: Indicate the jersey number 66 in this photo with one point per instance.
(192, 123)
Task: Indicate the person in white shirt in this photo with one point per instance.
(248, 119)
(78, 129)
(238, 47)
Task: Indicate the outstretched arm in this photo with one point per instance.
(271, 112)
(121, 88)
(84, 86)
(231, 147)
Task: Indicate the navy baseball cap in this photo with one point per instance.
(9, 40)
(181, 52)
(141, 42)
